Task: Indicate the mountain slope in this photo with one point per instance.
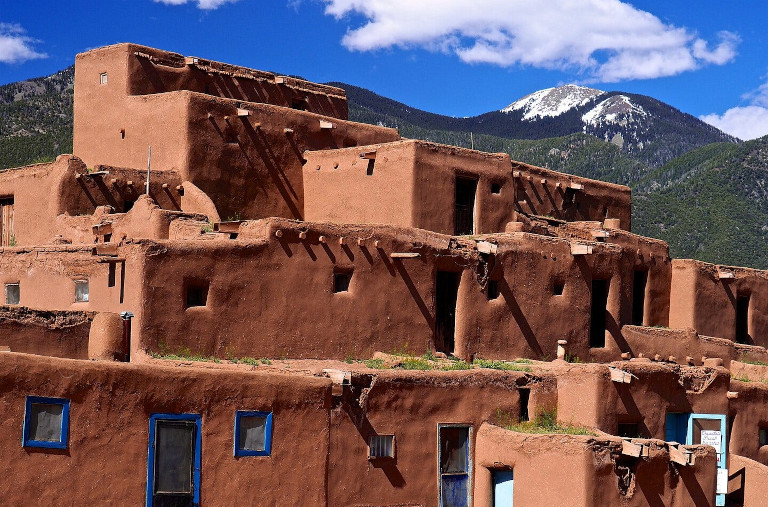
(710, 204)
(36, 119)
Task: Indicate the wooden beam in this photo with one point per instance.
(486, 247)
(326, 124)
(630, 449)
(243, 112)
(578, 249)
(404, 255)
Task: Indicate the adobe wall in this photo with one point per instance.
(748, 414)
(410, 405)
(549, 193)
(747, 480)
(111, 398)
(574, 470)
(588, 397)
(47, 333)
(248, 165)
(701, 298)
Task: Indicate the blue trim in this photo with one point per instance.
(151, 453)
(720, 498)
(26, 441)
(267, 433)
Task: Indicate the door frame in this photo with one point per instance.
(470, 460)
(722, 463)
(197, 419)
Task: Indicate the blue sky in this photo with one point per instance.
(454, 57)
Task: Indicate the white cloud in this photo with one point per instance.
(744, 122)
(201, 4)
(16, 46)
(607, 39)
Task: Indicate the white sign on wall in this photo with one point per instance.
(713, 438)
(722, 481)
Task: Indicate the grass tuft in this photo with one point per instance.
(502, 365)
(546, 422)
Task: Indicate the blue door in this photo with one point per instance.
(455, 465)
(503, 481)
(173, 460)
(709, 429)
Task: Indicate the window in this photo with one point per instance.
(46, 423)
(12, 293)
(495, 188)
(103, 78)
(381, 446)
(197, 294)
(557, 288)
(341, 280)
(81, 291)
(763, 436)
(253, 433)
(454, 464)
(111, 275)
(464, 206)
(369, 170)
(299, 104)
(525, 398)
(493, 289)
(628, 430)
(742, 318)
(128, 206)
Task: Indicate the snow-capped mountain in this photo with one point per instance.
(552, 101)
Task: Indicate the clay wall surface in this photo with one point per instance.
(588, 397)
(748, 415)
(248, 165)
(112, 398)
(410, 406)
(705, 297)
(549, 193)
(747, 480)
(48, 333)
(568, 470)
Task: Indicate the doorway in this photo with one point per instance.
(599, 308)
(446, 294)
(455, 464)
(464, 216)
(7, 237)
(173, 461)
(503, 487)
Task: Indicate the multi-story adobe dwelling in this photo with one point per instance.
(213, 214)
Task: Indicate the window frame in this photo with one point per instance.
(27, 441)
(103, 78)
(11, 284)
(238, 452)
(392, 446)
(87, 283)
(470, 460)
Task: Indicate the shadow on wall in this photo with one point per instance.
(522, 322)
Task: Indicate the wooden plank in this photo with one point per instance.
(630, 449)
(404, 255)
(578, 249)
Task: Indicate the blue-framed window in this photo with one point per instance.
(253, 433)
(173, 459)
(46, 423)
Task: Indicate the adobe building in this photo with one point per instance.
(276, 305)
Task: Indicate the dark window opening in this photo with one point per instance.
(495, 188)
(128, 206)
(599, 308)
(464, 217)
(493, 289)
(122, 133)
(525, 397)
(341, 281)
(111, 275)
(638, 297)
(369, 170)
(763, 436)
(174, 457)
(12, 293)
(197, 294)
(742, 319)
(381, 446)
(446, 293)
(605, 212)
(628, 430)
(299, 104)
(107, 237)
(557, 288)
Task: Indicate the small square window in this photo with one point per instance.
(103, 78)
(495, 188)
(253, 433)
(341, 280)
(381, 446)
(299, 104)
(12, 293)
(81, 291)
(763, 436)
(46, 423)
(197, 294)
(493, 289)
(628, 430)
(557, 288)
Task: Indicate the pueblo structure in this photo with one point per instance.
(289, 308)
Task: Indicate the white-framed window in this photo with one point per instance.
(81, 291)
(381, 446)
(103, 78)
(12, 293)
